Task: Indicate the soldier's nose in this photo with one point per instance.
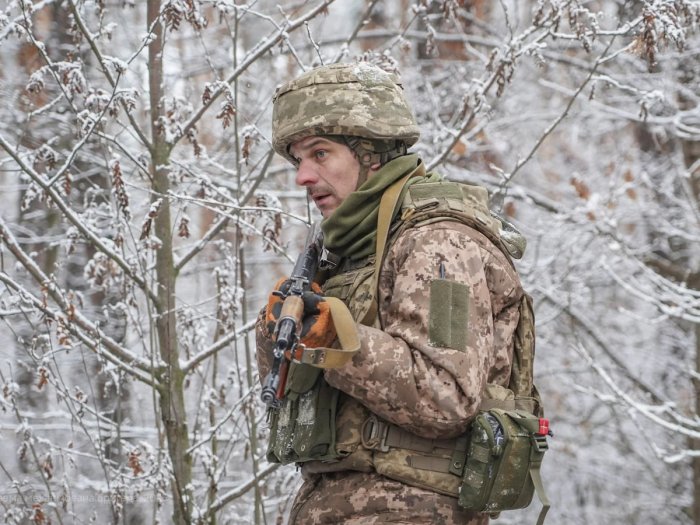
(306, 175)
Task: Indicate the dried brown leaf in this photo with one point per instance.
(184, 229)
(460, 148)
(228, 111)
(47, 466)
(67, 183)
(581, 188)
(63, 333)
(38, 517)
(43, 377)
(119, 189)
(247, 143)
(148, 221)
(22, 451)
(134, 462)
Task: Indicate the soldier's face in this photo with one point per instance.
(329, 171)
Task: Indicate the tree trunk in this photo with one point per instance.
(691, 151)
(694, 284)
(35, 217)
(172, 399)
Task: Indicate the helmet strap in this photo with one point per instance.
(369, 152)
(364, 173)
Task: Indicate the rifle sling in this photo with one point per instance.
(347, 337)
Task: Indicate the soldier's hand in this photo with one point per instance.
(317, 328)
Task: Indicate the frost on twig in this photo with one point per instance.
(126, 344)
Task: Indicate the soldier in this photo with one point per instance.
(382, 439)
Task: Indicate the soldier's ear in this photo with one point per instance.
(375, 166)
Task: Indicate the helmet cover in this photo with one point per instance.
(357, 99)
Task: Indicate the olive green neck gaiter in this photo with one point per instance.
(351, 230)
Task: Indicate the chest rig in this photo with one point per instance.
(326, 430)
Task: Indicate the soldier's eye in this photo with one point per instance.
(321, 154)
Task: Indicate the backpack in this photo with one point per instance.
(508, 438)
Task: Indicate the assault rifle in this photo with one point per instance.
(288, 325)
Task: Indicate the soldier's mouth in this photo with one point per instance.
(321, 198)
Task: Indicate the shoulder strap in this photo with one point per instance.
(524, 392)
(387, 206)
(522, 371)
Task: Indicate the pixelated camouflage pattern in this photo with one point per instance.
(354, 498)
(342, 99)
(430, 391)
(354, 288)
(526, 395)
(434, 392)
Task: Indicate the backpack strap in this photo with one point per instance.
(522, 370)
(539, 489)
(525, 395)
(538, 446)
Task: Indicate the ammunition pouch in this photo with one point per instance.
(303, 427)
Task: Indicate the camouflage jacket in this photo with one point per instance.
(434, 392)
(430, 391)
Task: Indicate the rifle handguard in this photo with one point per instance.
(292, 309)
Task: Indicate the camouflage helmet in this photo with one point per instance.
(357, 99)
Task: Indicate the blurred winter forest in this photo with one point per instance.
(144, 218)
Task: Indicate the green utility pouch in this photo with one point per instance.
(503, 462)
(303, 427)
